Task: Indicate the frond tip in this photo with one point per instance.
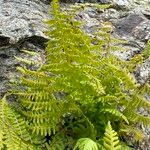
(111, 141)
(86, 144)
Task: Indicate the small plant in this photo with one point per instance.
(110, 141)
(14, 133)
(71, 99)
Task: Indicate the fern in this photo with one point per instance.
(29, 61)
(146, 52)
(57, 142)
(82, 80)
(13, 130)
(86, 144)
(111, 141)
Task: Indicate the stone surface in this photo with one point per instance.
(20, 19)
(21, 22)
(143, 71)
(133, 26)
(8, 62)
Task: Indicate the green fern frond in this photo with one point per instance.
(29, 61)
(111, 141)
(31, 53)
(79, 7)
(13, 129)
(86, 144)
(115, 112)
(124, 146)
(145, 120)
(58, 142)
(146, 52)
(132, 130)
(142, 102)
(146, 89)
(26, 61)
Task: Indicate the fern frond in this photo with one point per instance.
(132, 107)
(26, 61)
(13, 129)
(111, 141)
(31, 53)
(146, 89)
(86, 144)
(127, 130)
(115, 112)
(146, 52)
(82, 79)
(145, 120)
(58, 142)
(30, 61)
(124, 146)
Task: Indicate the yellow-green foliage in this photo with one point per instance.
(81, 87)
(86, 144)
(13, 129)
(111, 141)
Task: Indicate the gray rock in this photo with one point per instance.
(116, 2)
(110, 15)
(105, 1)
(142, 31)
(126, 25)
(8, 62)
(20, 19)
(143, 71)
(123, 4)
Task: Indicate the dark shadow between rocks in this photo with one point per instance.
(4, 41)
(38, 41)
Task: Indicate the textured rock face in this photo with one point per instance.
(20, 19)
(8, 62)
(132, 25)
(21, 27)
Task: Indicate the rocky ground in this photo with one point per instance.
(21, 27)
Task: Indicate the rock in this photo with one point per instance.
(20, 19)
(122, 4)
(105, 1)
(8, 63)
(126, 25)
(142, 31)
(88, 18)
(143, 71)
(116, 2)
(21, 22)
(142, 2)
(7, 66)
(135, 24)
(128, 53)
(110, 15)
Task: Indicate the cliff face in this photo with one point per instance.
(21, 27)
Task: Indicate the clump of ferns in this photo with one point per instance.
(81, 80)
(99, 86)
